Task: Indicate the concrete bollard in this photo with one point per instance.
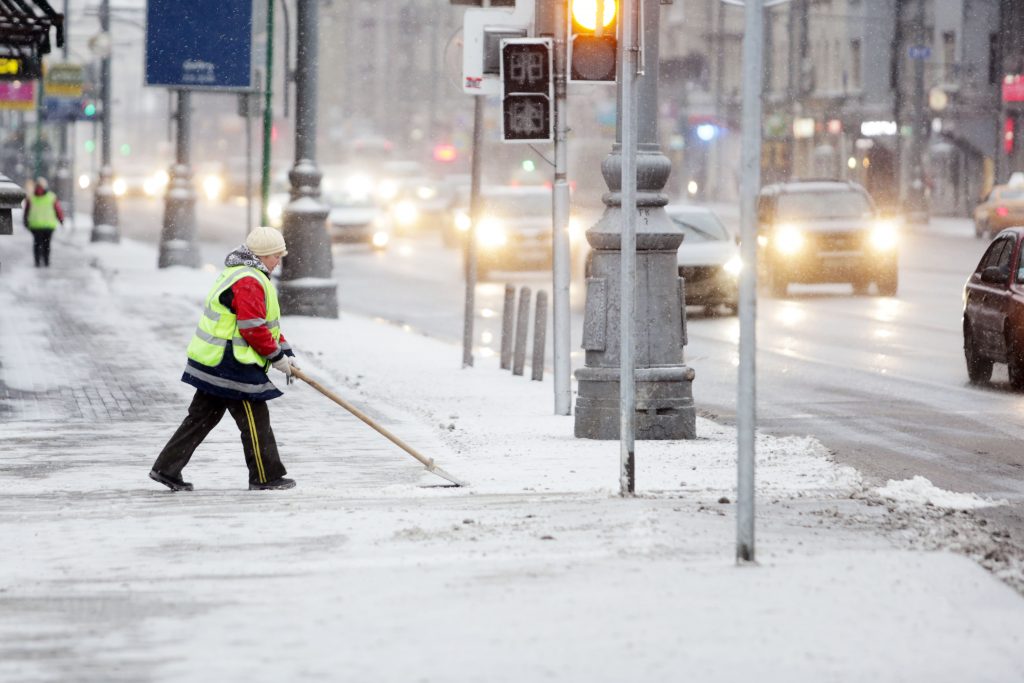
(507, 313)
(522, 325)
(540, 328)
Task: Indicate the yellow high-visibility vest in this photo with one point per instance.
(218, 326)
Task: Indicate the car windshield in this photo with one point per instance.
(512, 205)
(827, 204)
(342, 197)
(700, 227)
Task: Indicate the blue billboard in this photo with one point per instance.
(199, 44)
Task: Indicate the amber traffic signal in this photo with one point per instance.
(592, 40)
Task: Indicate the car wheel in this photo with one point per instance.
(980, 229)
(889, 282)
(1014, 364)
(860, 285)
(979, 370)
(777, 284)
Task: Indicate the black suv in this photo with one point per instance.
(825, 231)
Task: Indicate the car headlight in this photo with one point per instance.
(462, 222)
(425, 192)
(406, 213)
(274, 210)
(387, 190)
(733, 266)
(212, 187)
(490, 234)
(788, 239)
(359, 186)
(884, 236)
(380, 239)
(576, 229)
(120, 187)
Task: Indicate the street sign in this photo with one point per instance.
(199, 45)
(919, 52)
(482, 33)
(1013, 88)
(19, 68)
(63, 109)
(526, 66)
(64, 79)
(18, 95)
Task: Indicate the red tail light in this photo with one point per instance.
(1002, 211)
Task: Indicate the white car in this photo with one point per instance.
(354, 215)
(708, 259)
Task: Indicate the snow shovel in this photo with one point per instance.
(427, 462)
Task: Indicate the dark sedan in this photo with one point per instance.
(993, 320)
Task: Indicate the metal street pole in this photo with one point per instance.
(750, 182)
(104, 209)
(917, 202)
(307, 287)
(627, 292)
(178, 246)
(474, 214)
(63, 184)
(561, 342)
(268, 117)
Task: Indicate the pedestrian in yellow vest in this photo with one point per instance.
(237, 341)
(42, 216)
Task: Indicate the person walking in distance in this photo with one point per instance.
(237, 341)
(43, 214)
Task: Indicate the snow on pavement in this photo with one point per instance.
(368, 571)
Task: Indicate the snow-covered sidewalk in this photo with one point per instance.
(369, 571)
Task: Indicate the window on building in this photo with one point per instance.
(949, 56)
(994, 58)
(855, 73)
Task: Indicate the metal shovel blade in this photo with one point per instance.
(444, 475)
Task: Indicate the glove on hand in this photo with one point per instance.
(284, 364)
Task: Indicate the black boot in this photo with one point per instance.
(173, 483)
(279, 483)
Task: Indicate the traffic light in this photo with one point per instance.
(88, 110)
(592, 41)
(526, 90)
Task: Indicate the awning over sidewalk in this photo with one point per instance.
(25, 27)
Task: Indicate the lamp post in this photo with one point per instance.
(306, 285)
(104, 209)
(178, 237)
(663, 383)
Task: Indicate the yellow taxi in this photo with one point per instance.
(1002, 208)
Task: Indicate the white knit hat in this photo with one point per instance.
(264, 241)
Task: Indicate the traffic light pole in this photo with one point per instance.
(474, 214)
(663, 383)
(560, 198)
(104, 209)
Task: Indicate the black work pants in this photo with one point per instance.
(41, 246)
(206, 410)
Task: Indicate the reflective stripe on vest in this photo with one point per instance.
(42, 211)
(218, 325)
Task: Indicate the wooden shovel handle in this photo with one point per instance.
(429, 462)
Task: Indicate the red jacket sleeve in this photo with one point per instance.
(251, 309)
(60, 211)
